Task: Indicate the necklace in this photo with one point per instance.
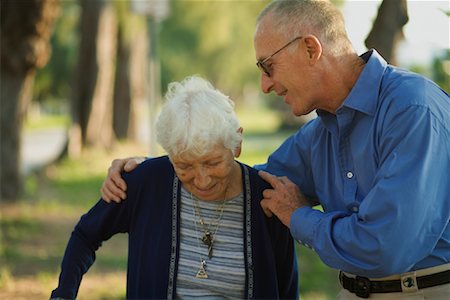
(208, 237)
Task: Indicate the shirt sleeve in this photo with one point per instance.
(291, 160)
(403, 216)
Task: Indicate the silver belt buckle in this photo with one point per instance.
(408, 281)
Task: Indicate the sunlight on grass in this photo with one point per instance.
(258, 119)
(47, 121)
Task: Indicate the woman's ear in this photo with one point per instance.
(237, 151)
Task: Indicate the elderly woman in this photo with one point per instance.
(194, 220)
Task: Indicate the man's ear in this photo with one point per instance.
(313, 47)
(237, 151)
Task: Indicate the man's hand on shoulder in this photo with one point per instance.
(283, 199)
(114, 187)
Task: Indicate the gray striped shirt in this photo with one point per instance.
(226, 268)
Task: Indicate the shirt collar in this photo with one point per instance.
(364, 94)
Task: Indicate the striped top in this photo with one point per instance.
(226, 268)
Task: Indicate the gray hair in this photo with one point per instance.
(319, 17)
(195, 118)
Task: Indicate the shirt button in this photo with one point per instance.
(355, 209)
(349, 175)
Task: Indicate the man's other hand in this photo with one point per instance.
(114, 187)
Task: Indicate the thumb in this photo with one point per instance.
(132, 163)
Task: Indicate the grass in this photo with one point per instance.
(35, 230)
(47, 121)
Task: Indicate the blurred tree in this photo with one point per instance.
(387, 30)
(53, 82)
(25, 31)
(131, 71)
(212, 39)
(441, 70)
(92, 90)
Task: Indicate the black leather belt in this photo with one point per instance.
(363, 287)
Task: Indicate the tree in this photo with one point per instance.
(131, 71)
(92, 90)
(26, 27)
(387, 30)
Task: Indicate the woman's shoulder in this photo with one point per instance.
(152, 168)
(255, 180)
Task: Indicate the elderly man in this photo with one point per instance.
(376, 158)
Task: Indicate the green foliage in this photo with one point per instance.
(315, 277)
(55, 79)
(213, 39)
(441, 70)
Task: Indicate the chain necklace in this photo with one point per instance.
(208, 237)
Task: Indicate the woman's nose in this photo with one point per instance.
(202, 179)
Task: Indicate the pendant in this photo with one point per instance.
(202, 271)
(207, 238)
(208, 241)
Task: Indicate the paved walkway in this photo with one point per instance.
(41, 146)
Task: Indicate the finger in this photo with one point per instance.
(266, 209)
(272, 179)
(117, 166)
(268, 193)
(284, 179)
(108, 196)
(130, 166)
(118, 184)
(111, 190)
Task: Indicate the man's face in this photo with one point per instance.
(288, 68)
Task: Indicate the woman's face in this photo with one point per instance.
(208, 177)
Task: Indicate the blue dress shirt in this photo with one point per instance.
(380, 169)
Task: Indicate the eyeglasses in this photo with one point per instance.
(261, 64)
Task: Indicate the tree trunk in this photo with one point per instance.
(387, 30)
(25, 31)
(17, 87)
(93, 87)
(131, 73)
(122, 90)
(138, 76)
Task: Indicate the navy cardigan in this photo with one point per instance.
(151, 217)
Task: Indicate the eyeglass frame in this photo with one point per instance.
(261, 63)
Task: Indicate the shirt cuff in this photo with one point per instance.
(303, 224)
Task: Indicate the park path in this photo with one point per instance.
(41, 146)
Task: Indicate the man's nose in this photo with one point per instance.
(266, 83)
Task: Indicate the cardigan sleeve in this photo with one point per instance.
(98, 225)
(104, 220)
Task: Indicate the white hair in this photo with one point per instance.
(195, 118)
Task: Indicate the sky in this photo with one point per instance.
(427, 32)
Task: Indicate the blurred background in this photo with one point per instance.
(81, 83)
